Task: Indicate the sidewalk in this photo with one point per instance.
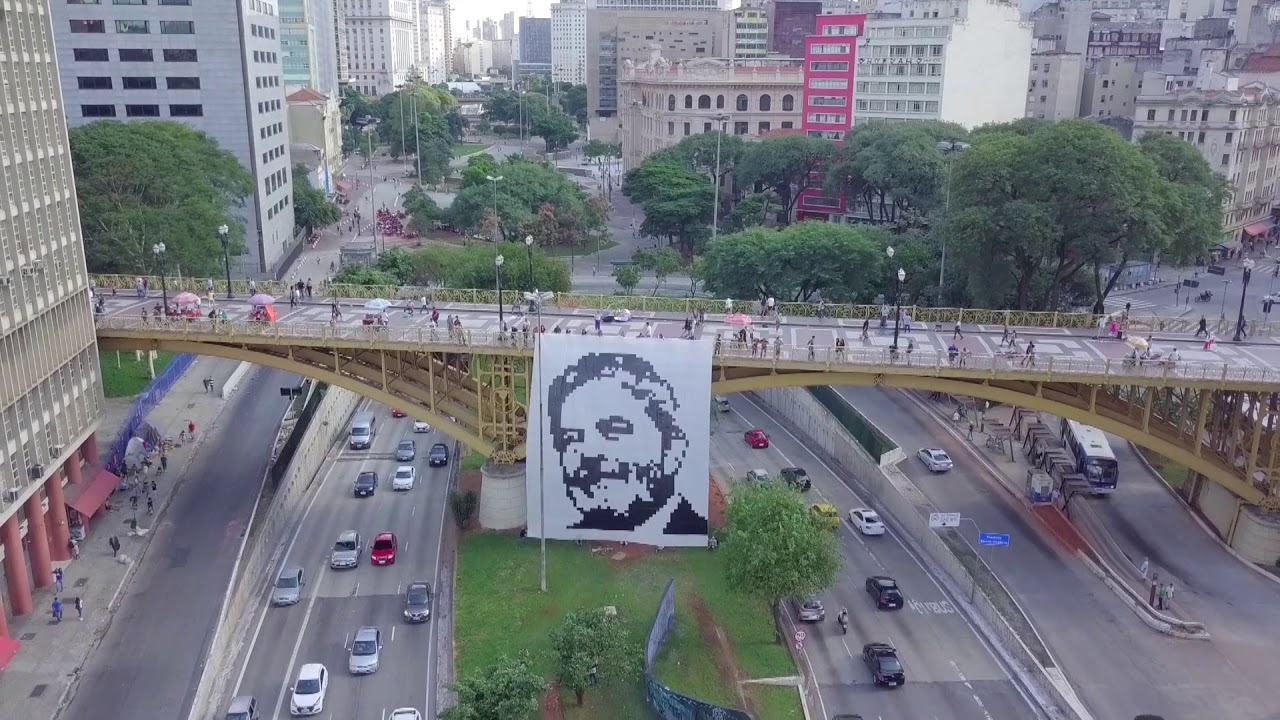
(40, 680)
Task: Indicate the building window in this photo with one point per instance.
(88, 26)
(706, 127)
(766, 103)
(719, 102)
(186, 111)
(138, 83)
(84, 2)
(740, 128)
(173, 2)
(1226, 158)
(829, 100)
(671, 102)
(94, 83)
(829, 49)
(741, 103)
(177, 27)
(763, 127)
(788, 103)
(136, 55)
(182, 83)
(1151, 115)
(688, 102)
(827, 118)
(704, 102)
(91, 55)
(180, 56)
(829, 84)
(133, 27)
(128, 2)
(142, 110)
(671, 128)
(787, 125)
(97, 111)
(686, 129)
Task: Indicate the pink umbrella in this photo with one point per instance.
(737, 320)
(186, 298)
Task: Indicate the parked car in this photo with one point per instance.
(404, 478)
(366, 651)
(866, 521)
(421, 427)
(757, 438)
(885, 592)
(758, 475)
(796, 478)
(383, 550)
(406, 451)
(288, 587)
(417, 602)
(935, 459)
(809, 610)
(439, 455)
(309, 690)
(366, 484)
(346, 551)
(882, 660)
(827, 513)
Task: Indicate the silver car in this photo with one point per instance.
(935, 459)
(346, 551)
(366, 650)
(288, 587)
(809, 609)
(406, 451)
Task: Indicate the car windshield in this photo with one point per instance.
(812, 604)
(403, 473)
(365, 478)
(382, 545)
(364, 647)
(418, 597)
(406, 446)
(290, 581)
(438, 450)
(359, 432)
(870, 518)
(890, 664)
(939, 455)
(345, 545)
(310, 686)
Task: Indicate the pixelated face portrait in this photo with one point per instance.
(620, 448)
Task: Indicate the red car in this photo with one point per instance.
(397, 413)
(756, 438)
(384, 549)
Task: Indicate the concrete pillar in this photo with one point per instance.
(72, 468)
(502, 497)
(56, 519)
(38, 542)
(15, 567)
(4, 621)
(90, 450)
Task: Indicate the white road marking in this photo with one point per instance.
(805, 654)
(297, 645)
(393, 633)
(432, 653)
(846, 647)
(356, 592)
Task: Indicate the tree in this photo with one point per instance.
(509, 688)
(422, 209)
(628, 278)
(356, 108)
(556, 130)
(591, 642)
(659, 261)
(677, 202)
(526, 186)
(311, 209)
(604, 155)
(896, 170)
(365, 275)
(144, 183)
(775, 547)
(753, 211)
(790, 165)
(574, 101)
(839, 262)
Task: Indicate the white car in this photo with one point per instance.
(934, 459)
(866, 521)
(309, 690)
(405, 714)
(421, 427)
(404, 477)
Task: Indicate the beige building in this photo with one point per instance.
(1237, 130)
(751, 30)
(1112, 86)
(666, 103)
(316, 121)
(50, 388)
(1053, 88)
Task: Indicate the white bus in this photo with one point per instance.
(1093, 456)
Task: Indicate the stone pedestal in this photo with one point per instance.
(502, 497)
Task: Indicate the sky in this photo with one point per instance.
(477, 10)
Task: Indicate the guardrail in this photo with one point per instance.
(826, 358)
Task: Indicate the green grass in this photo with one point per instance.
(472, 461)
(500, 611)
(775, 701)
(585, 250)
(124, 376)
(468, 149)
(1173, 474)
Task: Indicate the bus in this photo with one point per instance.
(1093, 456)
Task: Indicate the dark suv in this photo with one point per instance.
(417, 602)
(796, 478)
(366, 483)
(439, 456)
(885, 591)
(882, 661)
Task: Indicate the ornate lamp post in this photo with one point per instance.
(897, 301)
(226, 254)
(528, 247)
(497, 264)
(1244, 288)
(159, 251)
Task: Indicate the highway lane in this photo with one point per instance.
(951, 672)
(337, 602)
(150, 660)
(1118, 666)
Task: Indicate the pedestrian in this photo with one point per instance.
(164, 465)
(153, 485)
(1203, 328)
(133, 499)
(957, 334)
(151, 507)
(309, 288)
(114, 542)
(79, 608)
(57, 610)
(1168, 596)
(970, 431)
(57, 579)
(75, 548)
(1144, 567)
(1209, 340)
(1162, 596)
(191, 429)
(811, 339)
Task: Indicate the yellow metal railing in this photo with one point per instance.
(820, 358)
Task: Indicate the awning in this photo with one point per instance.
(88, 498)
(1227, 246)
(1257, 229)
(342, 187)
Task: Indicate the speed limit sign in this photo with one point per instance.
(800, 636)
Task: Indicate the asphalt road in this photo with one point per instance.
(153, 652)
(1118, 666)
(336, 602)
(951, 672)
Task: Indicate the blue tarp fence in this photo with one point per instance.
(143, 405)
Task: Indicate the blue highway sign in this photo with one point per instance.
(992, 539)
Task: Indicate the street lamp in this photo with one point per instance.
(373, 206)
(897, 301)
(494, 181)
(1248, 272)
(528, 247)
(417, 142)
(226, 254)
(535, 300)
(721, 119)
(400, 102)
(159, 251)
(497, 263)
(949, 150)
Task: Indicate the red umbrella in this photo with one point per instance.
(737, 320)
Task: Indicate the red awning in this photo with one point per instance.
(343, 187)
(1257, 229)
(88, 498)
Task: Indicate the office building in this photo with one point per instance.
(568, 41)
(790, 22)
(751, 30)
(315, 129)
(534, 53)
(434, 41)
(213, 66)
(308, 55)
(382, 41)
(1054, 86)
(832, 59)
(476, 57)
(339, 41)
(508, 26)
(50, 390)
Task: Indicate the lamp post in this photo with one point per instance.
(494, 181)
(226, 254)
(897, 301)
(373, 206)
(159, 251)
(1244, 287)
(497, 264)
(400, 102)
(535, 300)
(528, 248)
(417, 141)
(948, 150)
(720, 119)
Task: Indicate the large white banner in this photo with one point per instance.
(619, 434)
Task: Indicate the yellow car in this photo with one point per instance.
(827, 513)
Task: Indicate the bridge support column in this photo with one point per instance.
(38, 542)
(90, 449)
(15, 567)
(502, 496)
(55, 519)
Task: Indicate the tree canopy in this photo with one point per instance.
(436, 132)
(527, 188)
(311, 209)
(677, 202)
(139, 184)
(895, 170)
(509, 688)
(469, 266)
(591, 642)
(776, 547)
(789, 165)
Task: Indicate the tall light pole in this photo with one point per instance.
(159, 251)
(897, 301)
(949, 150)
(373, 203)
(494, 182)
(721, 119)
(417, 142)
(223, 230)
(536, 299)
(400, 102)
(497, 264)
(528, 248)
(1244, 287)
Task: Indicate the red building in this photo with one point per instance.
(830, 64)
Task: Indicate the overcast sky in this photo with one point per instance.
(476, 11)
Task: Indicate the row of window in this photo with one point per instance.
(739, 127)
(275, 152)
(267, 81)
(829, 49)
(1191, 115)
(271, 130)
(132, 55)
(268, 106)
(919, 31)
(262, 31)
(899, 106)
(829, 84)
(741, 103)
(134, 27)
(128, 2)
(138, 83)
(280, 205)
(899, 88)
(265, 57)
(828, 118)
(140, 111)
(829, 100)
(828, 66)
(907, 51)
(921, 70)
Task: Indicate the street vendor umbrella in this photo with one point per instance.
(186, 298)
(737, 320)
(377, 305)
(1137, 343)
(262, 299)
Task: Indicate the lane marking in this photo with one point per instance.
(433, 660)
(804, 652)
(297, 645)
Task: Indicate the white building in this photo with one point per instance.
(214, 66)
(961, 61)
(477, 57)
(382, 43)
(434, 42)
(568, 41)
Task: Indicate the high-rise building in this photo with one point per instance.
(382, 41)
(751, 30)
(489, 30)
(568, 41)
(434, 41)
(790, 22)
(213, 66)
(508, 26)
(534, 48)
(308, 56)
(831, 62)
(340, 41)
(50, 391)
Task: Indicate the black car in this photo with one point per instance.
(439, 455)
(797, 478)
(366, 483)
(885, 591)
(882, 661)
(417, 602)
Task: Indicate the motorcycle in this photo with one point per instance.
(1204, 297)
(844, 624)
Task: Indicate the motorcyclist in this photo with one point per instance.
(843, 619)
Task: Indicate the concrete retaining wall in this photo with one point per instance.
(502, 496)
(270, 530)
(233, 382)
(1218, 505)
(896, 497)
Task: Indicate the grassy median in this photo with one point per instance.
(123, 375)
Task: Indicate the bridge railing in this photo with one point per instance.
(821, 358)
(641, 303)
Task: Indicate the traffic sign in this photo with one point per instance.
(801, 635)
(944, 520)
(992, 539)
(799, 645)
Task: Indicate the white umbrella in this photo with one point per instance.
(377, 305)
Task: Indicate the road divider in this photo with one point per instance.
(233, 382)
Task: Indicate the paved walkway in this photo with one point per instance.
(39, 682)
